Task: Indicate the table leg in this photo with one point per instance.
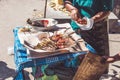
(23, 73)
(19, 76)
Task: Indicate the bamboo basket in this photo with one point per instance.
(91, 68)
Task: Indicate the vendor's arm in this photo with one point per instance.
(100, 16)
(73, 10)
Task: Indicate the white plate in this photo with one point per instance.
(88, 26)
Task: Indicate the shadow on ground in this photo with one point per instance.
(116, 66)
(6, 72)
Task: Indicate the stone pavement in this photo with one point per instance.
(15, 13)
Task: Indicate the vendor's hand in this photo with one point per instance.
(75, 14)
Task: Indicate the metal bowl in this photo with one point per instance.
(43, 23)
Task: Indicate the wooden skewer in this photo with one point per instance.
(45, 8)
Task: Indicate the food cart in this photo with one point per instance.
(25, 60)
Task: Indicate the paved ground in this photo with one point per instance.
(14, 13)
